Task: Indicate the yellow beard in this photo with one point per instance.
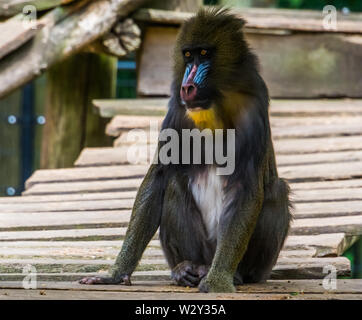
(205, 119)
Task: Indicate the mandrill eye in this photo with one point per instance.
(203, 52)
(187, 54)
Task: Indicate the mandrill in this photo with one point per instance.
(216, 230)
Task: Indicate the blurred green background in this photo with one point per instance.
(351, 5)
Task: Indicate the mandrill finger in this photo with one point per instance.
(185, 282)
(192, 279)
(99, 280)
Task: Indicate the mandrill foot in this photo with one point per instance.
(188, 274)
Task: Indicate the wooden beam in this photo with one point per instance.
(278, 107)
(271, 290)
(258, 18)
(14, 33)
(58, 41)
(314, 63)
(71, 123)
(11, 7)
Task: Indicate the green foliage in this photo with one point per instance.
(353, 5)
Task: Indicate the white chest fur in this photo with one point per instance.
(207, 190)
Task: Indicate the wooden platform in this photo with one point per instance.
(71, 222)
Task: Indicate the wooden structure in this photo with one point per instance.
(71, 222)
(293, 47)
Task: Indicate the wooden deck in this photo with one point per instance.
(71, 222)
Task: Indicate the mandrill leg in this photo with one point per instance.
(269, 235)
(183, 235)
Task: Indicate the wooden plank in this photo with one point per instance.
(86, 174)
(135, 172)
(91, 157)
(79, 265)
(114, 179)
(111, 218)
(263, 18)
(69, 197)
(12, 7)
(316, 64)
(332, 244)
(120, 124)
(304, 210)
(95, 205)
(74, 266)
(66, 235)
(326, 195)
(159, 290)
(135, 107)
(131, 195)
(160, 275)
(282, 127)
(40, 294)
(317, 131)
(330, 171)
(294, 268)
(104, 252)
(278, 107)
(112, 188)
(351, 286)
(116, 156)
(309, 268)
(351, 225)
(315, 107)
(119, 186)
(77, 250)
(315, 158)
(323, 244)
(84, 187)
(302, 146)
(119, 218)
(330, 184)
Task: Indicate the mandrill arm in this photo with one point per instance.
(235, 230)
(145, 220)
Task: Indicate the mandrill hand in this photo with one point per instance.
(217, 282)
(126, 279)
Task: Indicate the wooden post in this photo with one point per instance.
(10, 157)
(71, 121)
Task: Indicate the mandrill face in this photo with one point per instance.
(195, 92)
(213, 69)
